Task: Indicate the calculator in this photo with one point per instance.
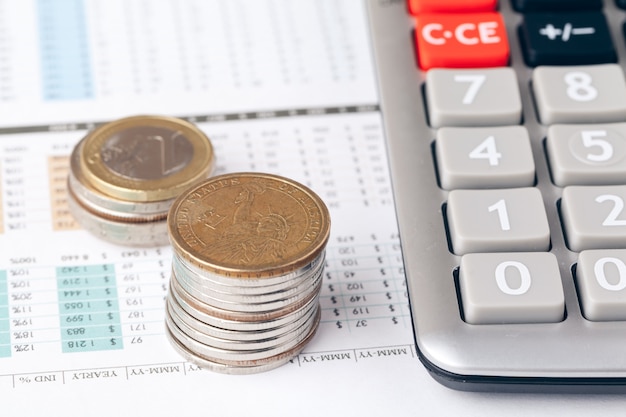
(506, 132)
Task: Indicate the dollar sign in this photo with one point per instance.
(333, 299)
(339, 326)
(113, 342)
(395, 320)
(111, 329)
(110, 315)
(109, 303)
(336, 312)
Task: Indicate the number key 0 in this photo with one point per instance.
(511, 288)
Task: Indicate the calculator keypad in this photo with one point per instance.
(486, 161)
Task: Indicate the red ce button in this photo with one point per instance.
(461, 40)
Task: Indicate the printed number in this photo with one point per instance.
(598, 270)
(475, 80)
(487, 150)
(524, 275)
(591, 139)
(579, 86)
(503, 215)
(618, 207)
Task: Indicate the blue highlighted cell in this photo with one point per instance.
(64, 50)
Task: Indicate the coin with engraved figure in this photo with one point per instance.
(146, 158)
(249, 225)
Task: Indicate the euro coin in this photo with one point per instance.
(125, 175)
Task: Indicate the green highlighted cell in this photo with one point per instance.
(5, 335)
(89, 308)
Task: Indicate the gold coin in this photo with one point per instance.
(146, 158)
(249, 225)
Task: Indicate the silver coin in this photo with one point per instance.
(234, 297)
(143, 234)
(239, 357)
(232, 293)
(248, 316)
(205, 280)
(201, 333)
(253, 304)
(223, 368)
(226, 280)
(197, 309)
(239, 335)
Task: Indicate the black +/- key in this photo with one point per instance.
(555, 5)
(566, 39)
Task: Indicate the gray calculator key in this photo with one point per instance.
(594, 217)
(580, 94)
(587, 154)
(477, 97)
(601, 279)
(478, 157)
(511, 288)
(502, 220)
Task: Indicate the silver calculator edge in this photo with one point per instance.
(572, 355)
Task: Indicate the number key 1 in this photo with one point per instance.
(497, 220)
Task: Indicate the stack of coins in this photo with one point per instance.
(125, 175)
(249, 254)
